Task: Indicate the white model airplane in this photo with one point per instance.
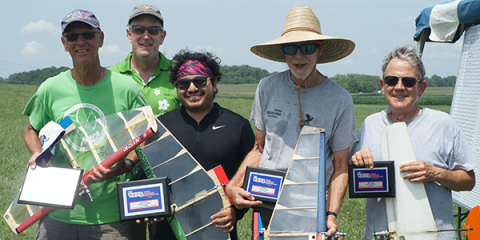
(300, 212)
(409, 214)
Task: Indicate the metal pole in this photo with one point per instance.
(421, 43)
(321, 199)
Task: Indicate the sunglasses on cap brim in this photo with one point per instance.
(184, 84)
(74, 36)
(306, 49)
(406, 81)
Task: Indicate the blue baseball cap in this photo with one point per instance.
(79, 15)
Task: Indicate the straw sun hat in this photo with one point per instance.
(302, 25)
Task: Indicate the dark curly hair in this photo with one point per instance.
(212, 61)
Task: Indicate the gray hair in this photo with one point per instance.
(406, 53)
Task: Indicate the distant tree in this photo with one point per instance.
(34, 77)
(242, 74)
(450, 81)
(355, 83)
(431, 82)
(438, 80)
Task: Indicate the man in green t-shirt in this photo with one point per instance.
(145, 64)
(86, 92)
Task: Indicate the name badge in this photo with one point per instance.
(372, 182)
(143, 198)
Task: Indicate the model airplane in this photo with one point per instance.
(117, 135)
(300, 212)
(409, 214)
(196, 194)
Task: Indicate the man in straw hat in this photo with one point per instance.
(304, 92)
(86, 92)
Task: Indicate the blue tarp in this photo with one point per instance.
(446, 22)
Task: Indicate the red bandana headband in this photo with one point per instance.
(193, 67)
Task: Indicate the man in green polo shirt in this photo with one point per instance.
(149, 68)
(145, 64)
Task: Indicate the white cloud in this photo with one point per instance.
(40, 27)
(31, 48)
(111, 49)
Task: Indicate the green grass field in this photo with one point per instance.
(239, 98)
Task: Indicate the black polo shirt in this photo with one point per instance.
(222, 137)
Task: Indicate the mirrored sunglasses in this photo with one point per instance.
(306, 49)
(406, 81)
(74, 36)
(152, 30)
(184, 84)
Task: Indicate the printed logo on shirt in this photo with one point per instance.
(275, 113)
(217, 127)
(83, 113)
(307, 119)
(163, 105)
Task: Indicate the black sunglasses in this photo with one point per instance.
(306, 49)
(184, 84)
(74, 36)
(139, 30)
(406, 81)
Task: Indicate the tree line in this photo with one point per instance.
(34, 77)
(354, 83)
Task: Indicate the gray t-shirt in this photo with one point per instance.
(275, 110)
(437, 140)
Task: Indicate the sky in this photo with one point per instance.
(30, 31)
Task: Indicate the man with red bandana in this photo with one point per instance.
(145, 64)
(304, 92)
(212, 134)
